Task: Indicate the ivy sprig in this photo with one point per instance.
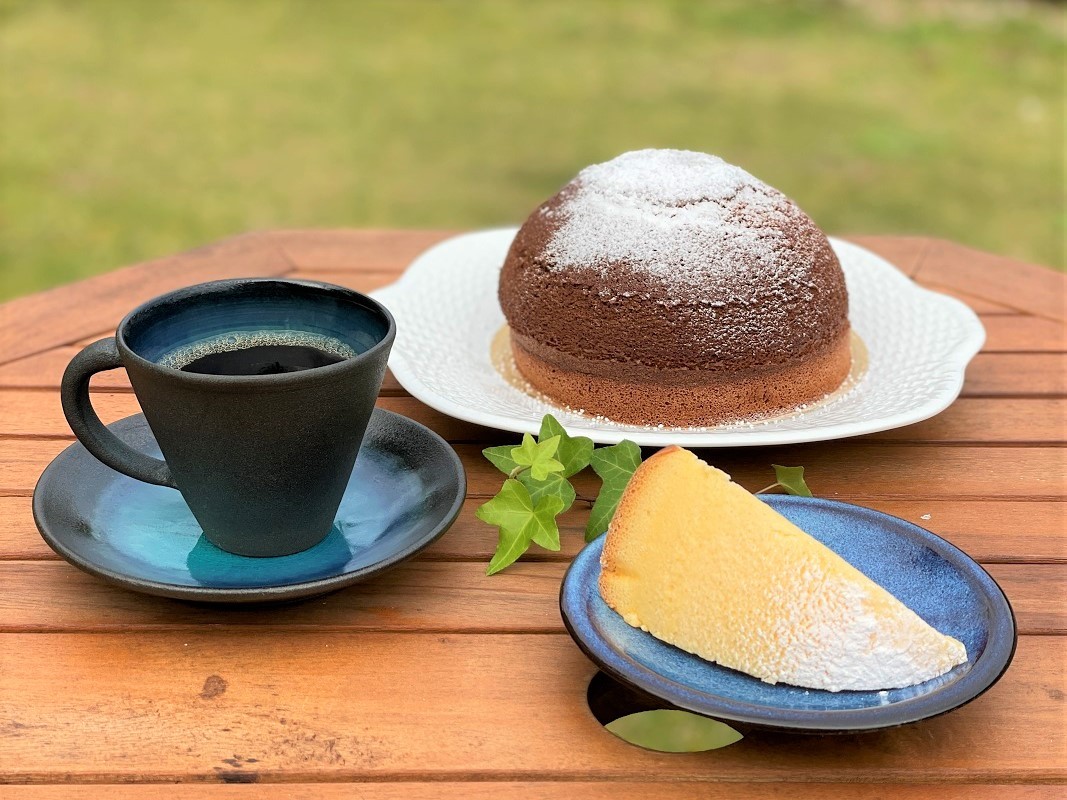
(537, 488)
(521, 520)
(615, 465)
(791, 479)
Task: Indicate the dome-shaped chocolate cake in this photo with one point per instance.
(669, 287)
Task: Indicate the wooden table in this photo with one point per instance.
(435, 681)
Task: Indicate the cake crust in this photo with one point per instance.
(698, 562)
(692, 398)
(668, 268)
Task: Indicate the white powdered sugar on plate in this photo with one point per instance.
(686, 219)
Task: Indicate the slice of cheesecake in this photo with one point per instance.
(697, 561)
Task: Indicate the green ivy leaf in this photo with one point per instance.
(500, 457)
(573, 451)
(521, 521)
(555, 485)
(673, 731)
(615, 465)
(792, 480)
(538, 456)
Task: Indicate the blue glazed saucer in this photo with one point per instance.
(405, 491)
(940, 583)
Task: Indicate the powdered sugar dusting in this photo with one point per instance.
(683, 218)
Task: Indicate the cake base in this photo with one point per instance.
(698, 398)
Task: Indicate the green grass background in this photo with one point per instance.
(135, 128)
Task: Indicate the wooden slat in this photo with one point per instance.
(38, 413)
(363, 280)
(852, 470)
(988, 375)
(418, 596)
(456, 597)
(1036, 593)
(1025, 287)
(981, 420)
(92, 337)
(21, 460)
(990, 532)
(906, 253)
(434, 657)
(45, 371)
(346, 250)
(987, 420)
(1007, 334)
(849, 470)
(313, 706)
(903, 252)
(1016, 375)
(546, 790)
(62, 315)
(979, 305)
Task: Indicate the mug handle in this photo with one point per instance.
(91, 432)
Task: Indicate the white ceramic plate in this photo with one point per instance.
(447, 314)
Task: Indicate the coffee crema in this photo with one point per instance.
(258, 353)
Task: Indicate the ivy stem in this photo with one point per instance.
(517, 471)
(767, 488)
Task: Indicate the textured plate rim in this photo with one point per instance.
(955, 364)
(983, 675)
(245, 594)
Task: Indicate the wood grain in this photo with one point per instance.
(986, 420)
(1011, 334)
(851, 470)
(1025, 287)
(334, 706)
(988, 375)
(417, 681)
(356, 250)
(417, 596)
(39, 414)
(447, 597)
(854, 469)
(362, 280)
(1004, 532)
(65, 314)
(1016, 375)
(22, 460)
(903, 252)
(979, 305)
(982, 420)
(529, 790)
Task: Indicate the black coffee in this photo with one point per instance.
(263, 359)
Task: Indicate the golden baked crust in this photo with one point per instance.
(610, 571)
(698, 562)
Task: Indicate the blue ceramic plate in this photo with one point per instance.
(405, 491)
(939, 582)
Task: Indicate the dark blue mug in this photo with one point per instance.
(258, 392)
